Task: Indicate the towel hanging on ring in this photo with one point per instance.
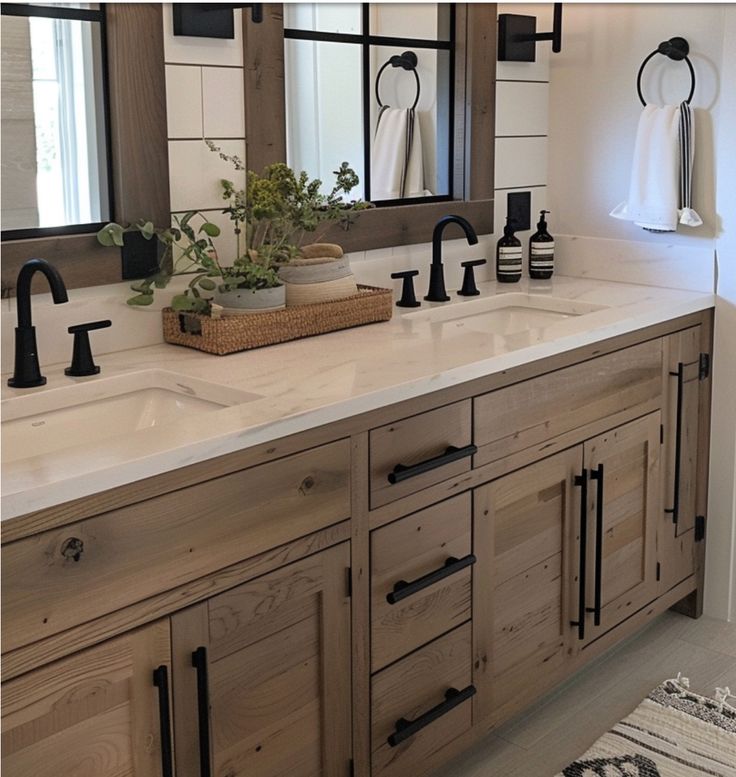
(660, 190)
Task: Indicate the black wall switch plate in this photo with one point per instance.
(519, 210)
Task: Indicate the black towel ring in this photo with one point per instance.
(408, 60)
(676, 49)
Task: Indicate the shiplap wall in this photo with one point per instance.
(204, 82)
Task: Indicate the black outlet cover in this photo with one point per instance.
(140, 257)
(519, 210)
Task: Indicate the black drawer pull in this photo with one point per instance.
(161, 681)
(597, 475)
(407, 728)
(582, 482)
(404, 471)
(674, 511)
(199, 662)
(402, 589)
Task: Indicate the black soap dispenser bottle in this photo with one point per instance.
(508, 256)
(541, 251)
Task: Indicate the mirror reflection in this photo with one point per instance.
(383, 74)
(54, 141)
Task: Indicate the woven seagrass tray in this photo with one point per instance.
(230, 334)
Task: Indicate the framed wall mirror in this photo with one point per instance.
(403, 92)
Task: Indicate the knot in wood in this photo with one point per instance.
(72, 548)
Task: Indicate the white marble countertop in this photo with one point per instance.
(307, 383)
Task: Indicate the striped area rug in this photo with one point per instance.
(672, 733)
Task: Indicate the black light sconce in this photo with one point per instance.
(211, 20)
(518, 36)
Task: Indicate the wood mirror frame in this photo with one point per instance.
(474, 128)
(139, 149)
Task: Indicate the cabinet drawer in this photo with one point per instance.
(534, 411)
(411, 454)
(60, 578)
(420, 578)
(429, 693)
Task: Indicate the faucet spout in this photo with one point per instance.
(437, 292)
(27, 372)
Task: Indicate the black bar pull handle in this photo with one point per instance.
(582, 482)
(597, 475)
(404, 472)
(407, 728)
(402, 589)
(161, 681)
(674, 511)
(199, 662)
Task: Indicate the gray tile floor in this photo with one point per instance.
(542, 742)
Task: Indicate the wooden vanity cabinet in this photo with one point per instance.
(262, 675)
(317, 616)
(95, 713)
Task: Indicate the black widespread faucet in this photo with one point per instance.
(437, 291)
(27, 371)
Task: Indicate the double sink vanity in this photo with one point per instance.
(354, 554)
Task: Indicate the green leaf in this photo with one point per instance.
(111, 235)
(210, 229)
(141, 299)
(207, 284)
(142, 287)
(182, 302)
(147, 229)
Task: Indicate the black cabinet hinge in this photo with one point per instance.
(699, 528)
(661, 434)
(704, 368)
(349, 581)
(659, 571)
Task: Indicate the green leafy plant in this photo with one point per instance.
(271, 218)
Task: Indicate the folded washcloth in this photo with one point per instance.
(660, 191)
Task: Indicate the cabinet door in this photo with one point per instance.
(681, 431)
(524, 526)
(262, 675)
(624, 506)
(93, 714)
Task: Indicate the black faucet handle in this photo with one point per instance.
(82, 362)
(469, 289)
(408, 298)
(89, 327)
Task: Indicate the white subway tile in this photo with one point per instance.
(201, 51)
(222, 98)
(522, 109)
(520, 162)
(195, 173)
(184, 101)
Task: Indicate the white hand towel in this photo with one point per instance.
(664, 139)
(397, 169)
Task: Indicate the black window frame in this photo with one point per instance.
(85, 15)
(366, 39)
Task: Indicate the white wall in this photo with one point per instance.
(594, 111)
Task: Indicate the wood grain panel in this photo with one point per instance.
(411, 687)
(195, 531)
(94, 714)
(524, 530)
(526, 414)
(406, 550)
(278, 652)
(415, 439)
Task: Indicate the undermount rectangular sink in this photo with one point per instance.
(506, 313)
(92, 412)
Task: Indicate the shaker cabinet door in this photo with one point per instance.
(262, 675)
(624, 505)
(96, 713)
(524, 533)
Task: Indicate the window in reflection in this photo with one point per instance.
(54, 132)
